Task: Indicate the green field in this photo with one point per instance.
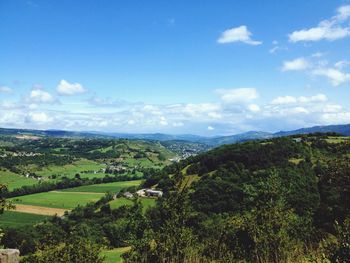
(13, 180)
(338, 139)
(70, 170)
(146, 202)
(57, 199)
(17, 219)
(114, 255)
(104, 188)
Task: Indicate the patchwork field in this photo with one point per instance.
(104, 188)
(56, 202)
(17, 219)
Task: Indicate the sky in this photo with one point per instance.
(176, 66)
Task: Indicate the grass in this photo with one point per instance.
(189, 179)
(296, 161)
(70, 170)
(17, 219)
(146, 203)
(57, 199)
(13, 180)
(114, 255)
(338, 139)
(104, 188)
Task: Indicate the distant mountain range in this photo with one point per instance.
(211, 141)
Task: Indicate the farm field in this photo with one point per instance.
(338, 139)
(84, 167)
(13, 180)
(114, 255)
(57, 199)
(146, 202)
(17, 219)
(104, 188)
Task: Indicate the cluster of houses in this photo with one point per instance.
(20, 154)
(144, 193)
(115, 169)
(183, 156)
(34, 176)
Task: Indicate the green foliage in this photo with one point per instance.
(174, 241)
(339, 251)
(17, 219)
(3, 190)
(73, 251)
(261, 201)
(268, 227)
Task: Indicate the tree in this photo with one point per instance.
(339, 251)
(174, 241)
(268, 227)
(74, 251)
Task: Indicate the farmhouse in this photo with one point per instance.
(149, 192)
(128, 195)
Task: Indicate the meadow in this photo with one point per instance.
(146, 202)
(16, 219)
(13, 180)
(57, 199)
(114, 255)
(114, 187)
(85, 168)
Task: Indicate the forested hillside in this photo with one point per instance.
(279, 200)
(276, 200)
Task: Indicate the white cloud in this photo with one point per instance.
(335, 118)
(254, 107)
(284, 100)
(276, 47)
(68, 89)
(238, 34)
(342, 64)
(317, 55)
(290, 99)
(8, 105)
(296, 64)
(210, 128)
(40, 96)
(241, 95)
(40, 117)
(332, 108)
(163, 121)
(178, 124)
(343, 13)
(330, 30)
(5, 89)
(335, 76)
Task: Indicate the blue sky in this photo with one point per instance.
(202, 67)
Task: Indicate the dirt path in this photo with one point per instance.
(40, 210)
(81, 193)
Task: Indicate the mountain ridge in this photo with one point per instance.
(343, 129)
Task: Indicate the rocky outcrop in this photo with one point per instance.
(9, 256)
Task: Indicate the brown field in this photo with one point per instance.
(27, 137)
(39, 210)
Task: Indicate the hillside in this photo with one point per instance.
(261, 199)
(282, 199)
(33, 159)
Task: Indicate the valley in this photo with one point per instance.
(88, 187)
